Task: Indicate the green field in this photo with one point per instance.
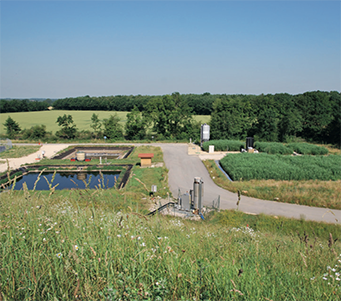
(82, 119)
(264, 167)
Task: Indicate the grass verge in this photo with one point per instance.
(19, 151)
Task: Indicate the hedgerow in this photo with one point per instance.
(308, 149)
(223, 145)
(273, 148)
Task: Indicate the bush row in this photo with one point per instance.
(273, 148)
(308, 149)
(263, 167)
(267, 147)
(223, 145)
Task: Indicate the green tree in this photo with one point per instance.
(229, 119)
(332, 133)
(317, 113)
(68, 130)
(136, 125)
(112, 127)
(35, 132)
(266, 114)
(170, 115)
(12, 127)
(95, 124)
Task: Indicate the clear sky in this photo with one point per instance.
(59, 49)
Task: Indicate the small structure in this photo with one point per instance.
(204, 133)
(146, 159)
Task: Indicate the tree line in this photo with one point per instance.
(23, 105)
(167, 117)
(313, 116)
(200, 104)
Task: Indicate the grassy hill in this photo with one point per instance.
(100, 245)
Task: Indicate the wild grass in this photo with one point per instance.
(19, 151)
(331, 149)
(143, 178)
(158, 154)
(264, 167)
(311, 193)
(78, 245)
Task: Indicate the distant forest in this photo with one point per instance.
(314, 116)
(24, 105)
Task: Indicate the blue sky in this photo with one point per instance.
(61, 49)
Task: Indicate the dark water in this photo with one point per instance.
(68, 180)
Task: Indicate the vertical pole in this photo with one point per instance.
(218, 201)
(200, 201)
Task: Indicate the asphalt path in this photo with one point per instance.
(183, 168)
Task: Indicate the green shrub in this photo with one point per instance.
(308, 149)
(223, 145)
(272, 148)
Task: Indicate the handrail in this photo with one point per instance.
(161, 208)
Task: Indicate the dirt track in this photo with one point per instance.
(50, 151)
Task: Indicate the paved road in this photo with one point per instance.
(183, 168)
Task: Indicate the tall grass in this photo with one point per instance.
(273, 148)
(264, 166)
(78, 247)
(308, 149)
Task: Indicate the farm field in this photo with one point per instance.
(263, 167)
(82, 119)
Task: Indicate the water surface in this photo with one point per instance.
(69, 180)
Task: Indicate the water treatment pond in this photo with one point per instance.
(69, 180)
